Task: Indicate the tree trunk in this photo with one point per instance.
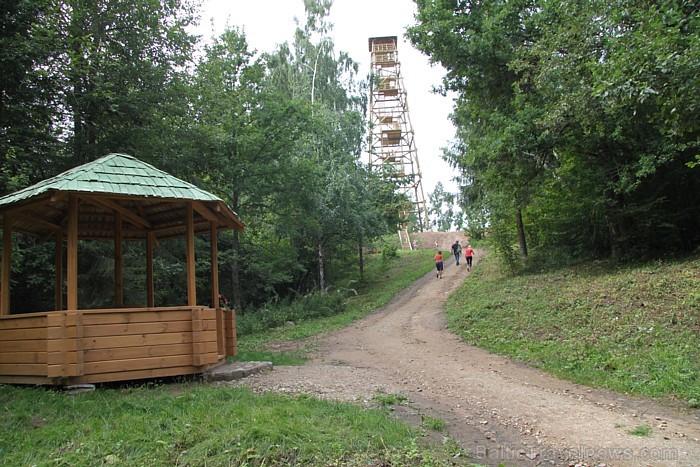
(78, 129)
(521, 232)
(236, 298)
(618, 226)
(619, 241)
(321, 270)
(237, 293)
(362, 258)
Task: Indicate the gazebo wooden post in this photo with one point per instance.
(191, 278)
(72, 256)
(214, 251)
(150, 291)
(58, 260)
(6, 261)
(118, 269)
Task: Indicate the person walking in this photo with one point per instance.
(457, 251)
(439, 264)
(468, 255)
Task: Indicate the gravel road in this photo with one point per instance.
(499, 410)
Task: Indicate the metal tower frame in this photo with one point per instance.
(392, 146)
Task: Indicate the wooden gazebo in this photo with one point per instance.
(116, 198)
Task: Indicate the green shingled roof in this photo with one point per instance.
(117, 174)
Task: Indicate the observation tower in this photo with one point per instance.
(392, 147)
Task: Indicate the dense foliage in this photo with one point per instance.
(577, 121)
(276, 135)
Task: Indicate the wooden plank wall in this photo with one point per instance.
(64, 344)
(23, 347)
(93, 346)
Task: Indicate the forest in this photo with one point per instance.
(577, 123)
(577, 134)
(276, 135)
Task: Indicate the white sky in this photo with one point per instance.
(271, 22)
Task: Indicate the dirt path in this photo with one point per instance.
(500, 410)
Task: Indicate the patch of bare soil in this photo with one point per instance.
(501, 411)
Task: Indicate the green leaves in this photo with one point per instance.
(278, 138)
(567, 107)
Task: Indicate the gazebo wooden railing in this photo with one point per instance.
(116, 198)
(94, 346)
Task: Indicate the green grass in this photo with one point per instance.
(197, 424)
(632, 329)
(386, 400)
(641, 430)
(435, 424)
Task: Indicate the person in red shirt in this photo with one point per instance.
(439, 264)
(468, 254)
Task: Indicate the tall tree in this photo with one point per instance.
(243, 143)
(117, 60)
(616, 96)
(442, 209)
(28, 93)
(570, 117)
(502, 149)
(81, 79)
(312, 70)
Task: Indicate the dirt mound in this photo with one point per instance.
(426, 240)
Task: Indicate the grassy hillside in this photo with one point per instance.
(633, 329)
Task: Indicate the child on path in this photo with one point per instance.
(438, 264)
(468, 254)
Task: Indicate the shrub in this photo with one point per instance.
(275, 314)
(389, 252)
